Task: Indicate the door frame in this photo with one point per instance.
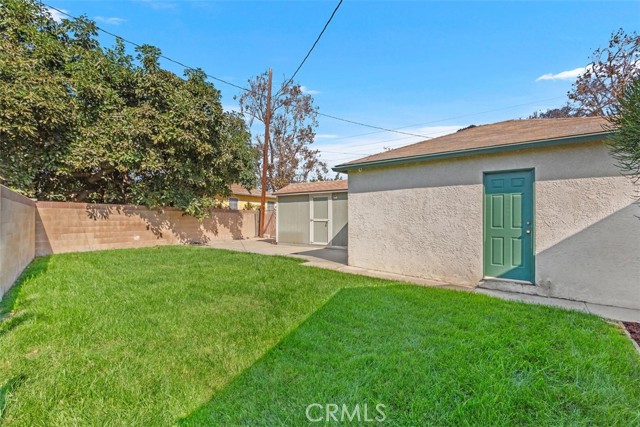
(533, 223)
(329, 219)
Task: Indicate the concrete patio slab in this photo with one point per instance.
(606, 311)
(535, 299)
(336, 259)
(322, 257)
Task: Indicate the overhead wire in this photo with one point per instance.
(379, 129)
(167, 58)
(373, 126)
(139, 45)
(288, 82)
(436, 121)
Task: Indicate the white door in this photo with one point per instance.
(320, 219)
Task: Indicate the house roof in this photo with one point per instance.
(314, 187)
(512, 134)
(239, 190)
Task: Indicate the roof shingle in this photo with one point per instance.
(313, 187)
(495, 135)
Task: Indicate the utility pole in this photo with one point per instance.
(265, 160)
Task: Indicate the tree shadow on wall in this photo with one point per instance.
(172, 224)
(14, 314)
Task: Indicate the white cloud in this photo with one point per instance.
(309, 91)
(326, 136)
(55, 15)
(563, 75)
(110, 21)
(159, 4)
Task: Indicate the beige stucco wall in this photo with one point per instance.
(17, 242)
(426, 220)
(75, 227)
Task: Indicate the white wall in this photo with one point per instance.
(426, 220)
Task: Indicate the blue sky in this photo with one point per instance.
(425, 66)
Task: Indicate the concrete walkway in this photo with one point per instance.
(606, 311)
(336, 259)
(323, 257)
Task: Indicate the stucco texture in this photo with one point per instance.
(426, 220)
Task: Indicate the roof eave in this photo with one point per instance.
(475, 151)
(298, 193)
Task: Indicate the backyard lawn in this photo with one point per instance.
(196, 336)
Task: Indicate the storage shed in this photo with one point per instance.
(533, 206)
(313, 213)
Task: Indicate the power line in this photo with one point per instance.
(185, 66)
(312, 47)
(373, 127)
(386, 140)
(343, 152)
(444, 120)
(379, 128)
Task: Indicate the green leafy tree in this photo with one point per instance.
(37, 114)
(83, 123)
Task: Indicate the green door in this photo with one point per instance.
(508, 225)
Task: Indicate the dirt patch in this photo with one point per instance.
(634, 330)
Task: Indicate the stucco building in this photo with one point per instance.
(535, 206)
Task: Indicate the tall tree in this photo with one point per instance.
(292, 131)
(83, 123)
(598, 90)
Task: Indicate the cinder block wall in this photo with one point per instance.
(29, 229)
(78, 227)
(17, 236)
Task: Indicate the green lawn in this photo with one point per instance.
(195, 336)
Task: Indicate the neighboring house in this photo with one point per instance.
(535, 206)
(313, 213)
(241, 198)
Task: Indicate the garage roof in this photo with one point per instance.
(512, 134)
(314, 187)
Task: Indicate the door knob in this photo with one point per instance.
(528, 231)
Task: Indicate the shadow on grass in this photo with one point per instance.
(6, 389)
(10, 319)
(434, 357)
(37, 267)
(301, 368)
(208, 413)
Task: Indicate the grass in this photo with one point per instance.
(195, 336)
